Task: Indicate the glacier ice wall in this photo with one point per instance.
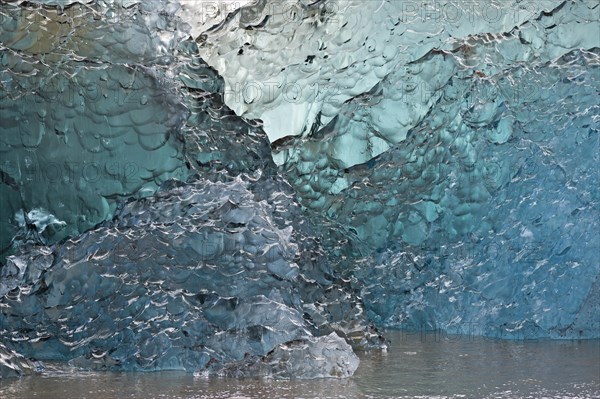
(221, 274)
(199, 277)
(13, 364)
(242, 188)
(294, 63)
(82, 124)
(503, 227)
(455, 143)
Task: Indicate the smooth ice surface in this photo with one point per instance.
(242, 188)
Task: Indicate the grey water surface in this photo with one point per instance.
(417, 365)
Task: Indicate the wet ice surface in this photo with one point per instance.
(416, 366)
(201, 277)
(446, 145)
(424, 175)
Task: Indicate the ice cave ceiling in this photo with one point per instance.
(255, 188)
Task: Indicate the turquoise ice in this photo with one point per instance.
(255, 188)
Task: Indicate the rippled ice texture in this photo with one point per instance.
(456, 143)
(242, 188)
